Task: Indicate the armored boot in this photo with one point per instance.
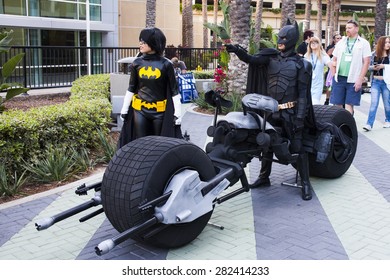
(265, 171)
(283, 154)
(303, 169)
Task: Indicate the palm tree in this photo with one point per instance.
(215, 12)
(288, 11)
(380, 18)
(306, 24)
(319, 19)
(188, 25)
(150, 13)
(205, 29)
(329, 20)
(337, 6)
(259, 12)
(240, 17)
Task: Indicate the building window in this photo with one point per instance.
(58, 9)
(13, 7)
(68, 9)
(95, 10)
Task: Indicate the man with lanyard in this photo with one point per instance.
(351, 58)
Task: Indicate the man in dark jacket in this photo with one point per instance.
(302, 48)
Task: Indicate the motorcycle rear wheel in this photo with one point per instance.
(336, 164)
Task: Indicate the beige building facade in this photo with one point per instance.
(168, 18)
(132, 14)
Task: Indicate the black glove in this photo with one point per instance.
(231, 48)
(124, 117)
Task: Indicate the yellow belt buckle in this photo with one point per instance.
(160, 107)
(136, 103)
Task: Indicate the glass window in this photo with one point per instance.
(91, 1)
(95, 12)
(58, 9)
(33, 8)
(13, 7)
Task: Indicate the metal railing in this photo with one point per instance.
(47, 67)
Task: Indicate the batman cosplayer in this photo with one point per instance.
(286, 77)
(152, 104)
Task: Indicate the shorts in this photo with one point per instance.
(344, 93)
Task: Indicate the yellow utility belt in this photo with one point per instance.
(287, 105)
(138, 103)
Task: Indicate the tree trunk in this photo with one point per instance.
(319, 19)
(215, 10)
(288, 11)
(240, 18)
(150, 13)
(188, 25)
(329, 32)
(205, 29)
(380, 18)
(337, 5)
(259, 12)
(306, 23)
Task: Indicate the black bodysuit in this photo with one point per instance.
(152, 79)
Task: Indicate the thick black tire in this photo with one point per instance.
(139, 172)
(336, 164)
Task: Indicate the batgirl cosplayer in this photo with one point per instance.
(152, 104)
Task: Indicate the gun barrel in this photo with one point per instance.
(105, 246)
(83, 189)
(48, 222)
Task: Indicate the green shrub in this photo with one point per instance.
(82, 160)
(108, 146)
(9, 185)
(25, 135)
(57, 164)
(203, 74)
(93, 86)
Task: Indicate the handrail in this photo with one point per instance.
(59, 66)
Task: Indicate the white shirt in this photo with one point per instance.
(361, 50)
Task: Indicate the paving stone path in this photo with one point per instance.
(348, 217)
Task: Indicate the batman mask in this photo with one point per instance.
(155, 38)
(288, 36)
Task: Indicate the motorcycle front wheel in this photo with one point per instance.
(140, 172)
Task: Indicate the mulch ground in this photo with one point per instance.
(25, 102)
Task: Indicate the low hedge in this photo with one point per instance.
(203, 74)
(93, 86)
(26, 134)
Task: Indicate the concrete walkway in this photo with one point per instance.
(347, 219)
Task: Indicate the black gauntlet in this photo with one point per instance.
(231, 48)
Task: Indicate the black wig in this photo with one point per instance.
(155, 38)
